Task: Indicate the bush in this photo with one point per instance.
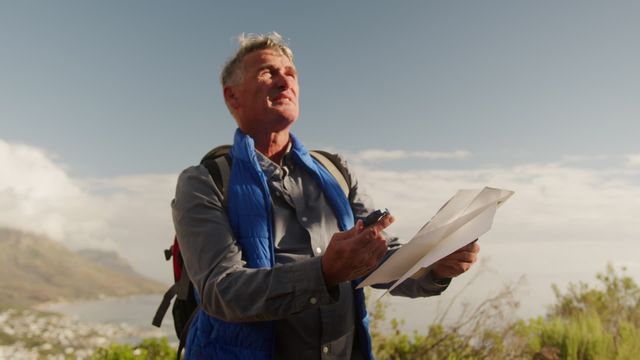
(579, 338)
(149, 349)
(586, 322)
(484, 332)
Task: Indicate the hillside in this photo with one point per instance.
(109, 259)
(34, 269)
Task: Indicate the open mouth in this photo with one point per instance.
(281, 98)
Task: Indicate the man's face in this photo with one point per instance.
(266, 98)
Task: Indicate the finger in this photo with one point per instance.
(376, 245)
(354, 231)
(375, 253)
(466, 256)
(367, 248)
(359, 226)
(372, 247)
(384, 222)
(451, 270)
(380, 252)
(456, 265)
(365, 236)
(366, 255)
(446, 272)
(472, 246)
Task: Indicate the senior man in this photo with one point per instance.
(275, 263)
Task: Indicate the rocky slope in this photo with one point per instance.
(35, 269)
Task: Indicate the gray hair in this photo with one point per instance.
(249, 43)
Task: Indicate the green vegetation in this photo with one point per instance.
(590, 323)
(485, 332)
(149, 349)
(601, 322)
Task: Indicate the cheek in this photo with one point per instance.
(259, 99)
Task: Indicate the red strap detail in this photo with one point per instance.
(177, 260)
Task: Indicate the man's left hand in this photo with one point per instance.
(457, 262)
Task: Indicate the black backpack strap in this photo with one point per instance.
(185, 333)
(216, 152)
(180, 290)
(218, 163)
(332, 164)
(164, 305)
(183, 286)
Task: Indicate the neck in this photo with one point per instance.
(272, 145)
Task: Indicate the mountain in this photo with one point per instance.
(109, 259)
(35, 269)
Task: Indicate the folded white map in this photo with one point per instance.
(462, 219)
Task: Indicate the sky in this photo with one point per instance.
(102, 104)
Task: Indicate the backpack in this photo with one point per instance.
(218, 163)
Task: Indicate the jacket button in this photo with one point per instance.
(325, 349)
(313, 301)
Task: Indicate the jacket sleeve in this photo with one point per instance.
(362, 205)
(213, 259)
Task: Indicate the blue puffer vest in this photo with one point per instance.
(250, 215)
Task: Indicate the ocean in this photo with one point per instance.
(136, 311)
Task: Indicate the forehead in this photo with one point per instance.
(270, 57)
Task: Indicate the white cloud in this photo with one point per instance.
(128, 214)
(564, 222)
(551, 201)
(37, 194)
(372, 155)
(633, 160)
(584, 158)
(139, 218)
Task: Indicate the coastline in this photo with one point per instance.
(35, 334)
(46, 305)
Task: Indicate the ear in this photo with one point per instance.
(230, 97)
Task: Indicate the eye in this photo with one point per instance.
(291, 73)
(265, 73)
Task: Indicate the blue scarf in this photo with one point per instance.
(251, 218)
(250, 202)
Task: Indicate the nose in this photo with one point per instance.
(283, 81)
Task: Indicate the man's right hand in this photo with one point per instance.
(354, 252)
